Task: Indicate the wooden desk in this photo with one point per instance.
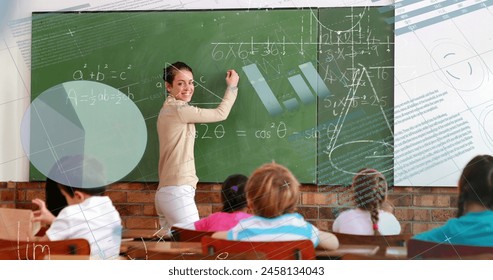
(146, 234)
(151, 250)
(343, 249)
(398, 253)
(196, 248)
(67, 257)
(161, 246)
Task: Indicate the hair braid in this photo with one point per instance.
(374, 220)
(370, 190)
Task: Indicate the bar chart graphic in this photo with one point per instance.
(306, 85)
(314, 79)
(263, 89)
(302, 89)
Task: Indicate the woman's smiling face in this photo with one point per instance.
(182, 87)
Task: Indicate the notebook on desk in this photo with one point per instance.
(17, 224)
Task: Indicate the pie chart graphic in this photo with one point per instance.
(83, 134)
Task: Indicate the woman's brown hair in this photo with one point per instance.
(272, 190)
(172, 69)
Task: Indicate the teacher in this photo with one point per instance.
(175, 197)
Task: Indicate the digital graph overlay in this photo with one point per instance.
(300, 86)
(412, 15)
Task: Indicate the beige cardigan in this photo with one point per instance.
(176, 132)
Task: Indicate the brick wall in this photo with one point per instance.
(417, 208)
(7, 194)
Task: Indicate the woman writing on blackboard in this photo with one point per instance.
(174, 198)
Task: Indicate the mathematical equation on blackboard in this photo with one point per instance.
(277, 130)
(90, 97)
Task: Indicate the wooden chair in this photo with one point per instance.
(39, 250)
(274, 250)
(41, 232)
(383, 241)
(187, 235)
(359, 257)
(143, 254)
(17, 224)
(418, 249)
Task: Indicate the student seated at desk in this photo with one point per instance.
(272, 194)
(234, 207)
(474, 222)
(372, 215)
(89, 215)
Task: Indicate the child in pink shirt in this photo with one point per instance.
(234, 207)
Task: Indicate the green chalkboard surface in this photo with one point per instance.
(356, 121)
(309, 78)
(128, 51)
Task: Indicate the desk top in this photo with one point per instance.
(343, 249)
(146, 234)
(196, 248)
(162, 246)
(399, 253)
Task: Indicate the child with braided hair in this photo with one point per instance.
(371, 215)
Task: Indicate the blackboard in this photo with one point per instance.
(282, 56)
(356, 121)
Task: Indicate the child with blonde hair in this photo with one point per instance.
(370, 216)
(272, 195)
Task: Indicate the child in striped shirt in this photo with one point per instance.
(272, 194)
